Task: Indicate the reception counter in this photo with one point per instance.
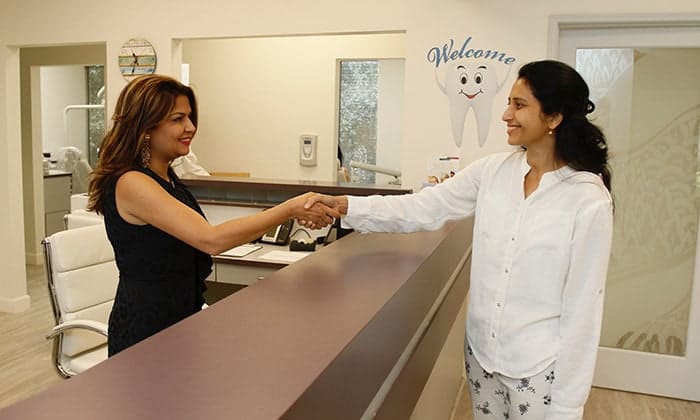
(352, 331)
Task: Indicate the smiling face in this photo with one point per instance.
(470, 81)
(171, 138)
(527, 125)
(470, 85)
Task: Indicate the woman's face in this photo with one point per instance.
(526, 124)
(171, 138)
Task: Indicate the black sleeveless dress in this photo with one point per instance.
(161, 279)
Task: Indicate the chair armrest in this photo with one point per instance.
(95, 326)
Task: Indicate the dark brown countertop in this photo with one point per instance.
(258, 192)
(316, 339)
(298, 186)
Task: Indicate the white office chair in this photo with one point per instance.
(79, 218)
(82, 279)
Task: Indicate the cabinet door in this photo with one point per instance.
(57, 191)
(53, 222)
(241, 274)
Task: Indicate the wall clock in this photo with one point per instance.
(137, 57)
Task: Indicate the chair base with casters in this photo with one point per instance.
(82, 279)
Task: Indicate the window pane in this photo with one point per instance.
(96, 117)
(357, 135)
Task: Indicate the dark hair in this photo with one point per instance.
(561, 90)
(143, 104)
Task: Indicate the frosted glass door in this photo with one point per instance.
(650, 110)
(647, 100)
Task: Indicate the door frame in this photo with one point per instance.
(635, 371)
(559, 23)
(31, 143)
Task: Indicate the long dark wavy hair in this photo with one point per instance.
(144, 103)
(561, 90)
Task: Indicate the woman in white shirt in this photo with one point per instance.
(542, 238)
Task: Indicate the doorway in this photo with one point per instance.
(71, 112)
(643, 79)
(370, 113)
(31, 60)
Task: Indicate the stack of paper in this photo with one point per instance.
(284, 256)
(241, 250)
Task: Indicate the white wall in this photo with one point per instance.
(258, 95)
(521, 31)
(62, 86)
(390, 121)
(13, 287)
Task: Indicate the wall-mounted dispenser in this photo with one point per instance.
(307, 149)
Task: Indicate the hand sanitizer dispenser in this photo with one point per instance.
(307, 149)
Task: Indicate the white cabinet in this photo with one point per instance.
(248, 269)
(242, 274)
(57, 192)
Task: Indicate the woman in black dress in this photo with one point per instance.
(162, 242)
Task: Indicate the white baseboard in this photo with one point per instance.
(15, 305)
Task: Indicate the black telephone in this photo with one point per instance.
(278, 235)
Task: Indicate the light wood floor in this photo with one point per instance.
(607, 404)
(26, 369)
(25, 356)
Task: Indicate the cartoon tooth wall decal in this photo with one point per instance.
(471, 85)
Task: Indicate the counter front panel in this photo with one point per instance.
(348, 331)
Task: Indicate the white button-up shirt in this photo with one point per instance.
(539, 265)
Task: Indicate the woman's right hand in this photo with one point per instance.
(316, 215)
(331, 205)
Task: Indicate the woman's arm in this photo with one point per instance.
(427, 210)
(140, 200)
(582, 311)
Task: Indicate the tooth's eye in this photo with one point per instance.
(478, 78)
(463, 79)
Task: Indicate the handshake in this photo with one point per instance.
(316, 211)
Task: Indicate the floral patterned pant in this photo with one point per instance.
(495, 396)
